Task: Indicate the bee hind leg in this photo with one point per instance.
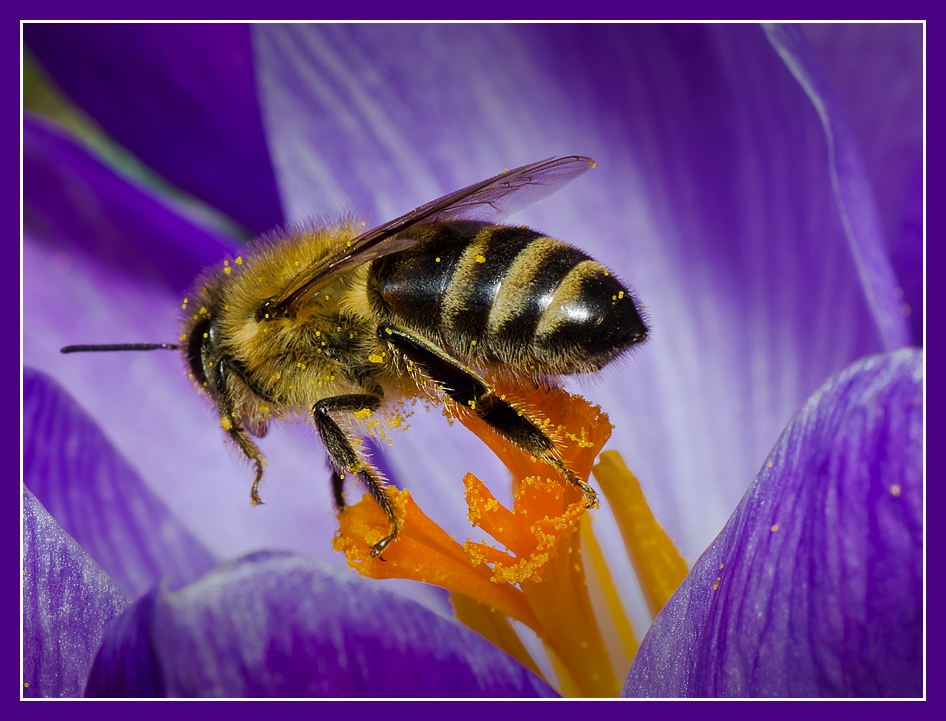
(346, 459)
(470, 391)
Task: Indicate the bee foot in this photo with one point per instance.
(591, 497)
(378, 548)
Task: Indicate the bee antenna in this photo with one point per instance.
(118, 346)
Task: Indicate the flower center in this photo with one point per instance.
(543, 553)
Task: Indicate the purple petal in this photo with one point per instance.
(180, 97)
(876, 70)
(98, 498)
(68, 601)
(857, 204)
(284, 625)
(82, 211)
(815, 586)
(907, 257)
(713, 197)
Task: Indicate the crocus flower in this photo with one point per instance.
(764, 205)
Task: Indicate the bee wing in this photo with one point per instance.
(490, 200)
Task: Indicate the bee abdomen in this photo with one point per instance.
(561, 310)
(509, 295)
(590, 320)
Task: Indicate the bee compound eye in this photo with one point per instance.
(200, 336)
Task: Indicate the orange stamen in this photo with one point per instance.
(536, 573)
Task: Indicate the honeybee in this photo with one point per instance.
(336, 323)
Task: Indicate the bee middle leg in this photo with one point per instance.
(467, 389)
(345, 459)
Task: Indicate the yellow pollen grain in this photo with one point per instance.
(774, 527)
(375, 358)
(436, 260)
(182, 337)
(716, 583)
(620, 294)
(239, 260)
(363, 413)
(206, 335)
(769, 464)
(225, 424)
(895, 490)
(480, 259)
(228, 270)
(472, 342)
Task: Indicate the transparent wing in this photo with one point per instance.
(490, 200)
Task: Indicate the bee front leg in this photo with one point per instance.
(238, 435)
(345, 459)
(234, 428)
(467, 389)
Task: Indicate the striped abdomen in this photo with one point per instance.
(508, 295)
